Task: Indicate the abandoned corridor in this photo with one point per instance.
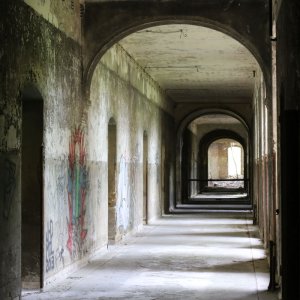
(209, 256)
(114, 113)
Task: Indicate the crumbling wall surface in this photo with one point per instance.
(261, 154)
(33, 52)
(122, 90)
(63, 15)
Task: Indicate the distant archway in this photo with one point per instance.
(100, 34)
(225, 160)
(133, 18)
(183, 187)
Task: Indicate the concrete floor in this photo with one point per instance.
(211, 256)
(219, 196)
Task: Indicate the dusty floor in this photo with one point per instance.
(212, 256)
(219, 196)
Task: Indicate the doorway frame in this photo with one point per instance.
(31, 93)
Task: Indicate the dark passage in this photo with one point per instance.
(32, 181)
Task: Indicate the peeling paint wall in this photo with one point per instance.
(36, 53)
(63, 14)
(122, 90)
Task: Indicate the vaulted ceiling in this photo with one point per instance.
(193, 63)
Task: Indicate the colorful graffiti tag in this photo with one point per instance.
(77, 189)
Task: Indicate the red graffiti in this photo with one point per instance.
(77, 189)
(70, 226)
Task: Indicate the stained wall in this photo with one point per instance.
(37, 53)
(121, 90)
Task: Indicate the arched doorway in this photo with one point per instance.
(193, 165)
(225, 164)
(224, 154)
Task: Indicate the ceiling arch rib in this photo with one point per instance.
(193, 63)
(243, 20)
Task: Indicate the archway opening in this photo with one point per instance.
(32, 188)
(216, 73)
(214, 158)
(225, 165)
(191, 81)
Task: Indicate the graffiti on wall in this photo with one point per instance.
(9, 181)
(59, 256)
(53, 258)
(77, 189)
(49, 247)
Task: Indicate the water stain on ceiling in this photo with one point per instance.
(194, 63)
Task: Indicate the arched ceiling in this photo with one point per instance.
(216, 119)
(193, 63)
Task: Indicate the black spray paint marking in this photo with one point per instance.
(49, 247)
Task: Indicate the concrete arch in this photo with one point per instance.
(215, 135)
(103, 27)
(112, 121)
(203, 112)
(245, 22)
(183, 124)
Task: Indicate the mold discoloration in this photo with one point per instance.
(120, 88)
(64, 15)
(33, 53)
(192, 63)
(247, 22)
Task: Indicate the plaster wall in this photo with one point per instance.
(262, 167)
(64, 15)
(258, 100)
(75, 183)
(217, 161)
(190, 151)
(36, 53)
(122, 90)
